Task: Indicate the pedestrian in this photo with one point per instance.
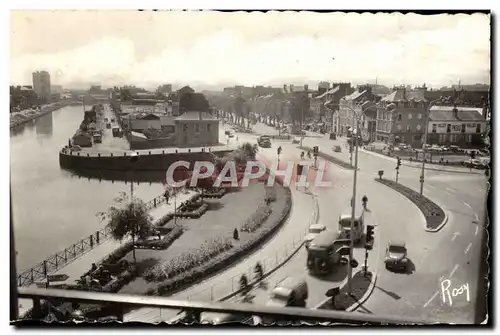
(235, 234)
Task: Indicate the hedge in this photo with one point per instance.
(164, 243)
(257, 219)
(331, 159)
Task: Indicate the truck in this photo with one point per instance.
(345, 227)
(322, 253)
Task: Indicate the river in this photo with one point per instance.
(51, 207)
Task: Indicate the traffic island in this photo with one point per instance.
(435, 217)
(361, 288)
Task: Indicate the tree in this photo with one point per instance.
(300, 107)
(131, 218)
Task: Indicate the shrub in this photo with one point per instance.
(164, 243)
(188, 259)
(164, 220)
(119, 253)
(257, 218)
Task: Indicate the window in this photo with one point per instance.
(209, 127)
(410, 116)
(408, 128)
(419, 116)
(434, 128)
(469, 138)
(453, 138)
(196, 128)
(441, 138)
(419, 127)
(448, 128)
(399, 127)
(463, 127)
(399, 117)
(478, 128)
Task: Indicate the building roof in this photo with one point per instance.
(445, 113)
(149, 116)
(404, 95)
(136, 134)
(355, 95)
(194, 116)
(331, 91)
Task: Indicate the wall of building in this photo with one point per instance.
(196, 133)
(456, 127)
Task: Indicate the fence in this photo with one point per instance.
(228, 288)
(62, 258)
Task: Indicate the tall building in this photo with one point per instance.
(41, 85)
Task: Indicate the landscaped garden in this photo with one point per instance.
(208, 233)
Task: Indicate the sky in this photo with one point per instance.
(213, 49)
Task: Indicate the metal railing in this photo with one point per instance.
(229, 287)
(69, 254)
(287, 314)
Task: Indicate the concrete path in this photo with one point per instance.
(75, 269)
(270, 254)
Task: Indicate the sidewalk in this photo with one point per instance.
(75, 269)
(226, 282)
(428, 166)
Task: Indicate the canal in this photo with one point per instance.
(53, 208)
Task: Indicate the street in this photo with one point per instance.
(452, 253)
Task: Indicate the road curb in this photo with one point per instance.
(271, 271)
(441, 225)
(366, 295)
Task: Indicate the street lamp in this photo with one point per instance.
(353, 201)
(426, 131)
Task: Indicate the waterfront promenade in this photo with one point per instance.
(79, 266)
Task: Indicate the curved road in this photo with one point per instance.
(452, 253)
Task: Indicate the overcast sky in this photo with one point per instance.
(217, 49)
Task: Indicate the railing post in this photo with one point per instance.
(74, 250)
(97, 237)
(82, 246)
(32, 276)
(56, 260)
(154, 201)
(91, 241)
(65, 255)
(45, 268)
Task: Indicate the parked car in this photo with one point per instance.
(295, 140)
(337, 148)
(264, 141)
(396, 256)
(314, 230)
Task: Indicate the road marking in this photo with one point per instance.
(430, 186)
(477, 228)
(455, 234)
(450, 189)
(466, 204)
(432, 298)
(468, 247)
(453, 271)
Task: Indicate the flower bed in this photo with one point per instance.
(194, 214)
(257, 219)
(215, 194)
(219, 263)
(434, 215)
(162, 244)
(164, 220)
(331, 159)
(188, 260)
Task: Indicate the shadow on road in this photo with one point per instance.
(214, 205)
(410, 269)
(389, 293)
(337, 275)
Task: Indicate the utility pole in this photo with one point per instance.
(353, 213)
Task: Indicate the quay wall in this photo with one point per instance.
(146, 162)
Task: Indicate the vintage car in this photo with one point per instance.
(314, 230)
(264, 141)
(337, 148)
(345, 227)
(396, 256)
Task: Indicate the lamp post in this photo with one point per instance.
(353, 201)
(426, 131)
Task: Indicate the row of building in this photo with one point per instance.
(456, 117)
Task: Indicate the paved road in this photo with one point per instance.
(453, 252)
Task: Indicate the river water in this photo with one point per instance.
(51, 207)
